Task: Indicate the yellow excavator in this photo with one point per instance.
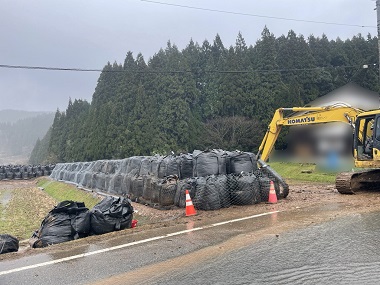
(366, 142)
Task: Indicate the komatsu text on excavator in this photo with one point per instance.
(366, 144)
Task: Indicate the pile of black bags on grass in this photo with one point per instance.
(8, 172)
(71, 220)
(215, 178)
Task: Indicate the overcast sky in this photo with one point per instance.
(88, 34)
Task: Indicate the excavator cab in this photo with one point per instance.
(367, 140)
(376, 139)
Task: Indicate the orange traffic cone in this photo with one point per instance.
(272, 194)
(190, 210)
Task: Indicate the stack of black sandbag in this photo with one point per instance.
(8, 172)
(232, 177)
(71, 220)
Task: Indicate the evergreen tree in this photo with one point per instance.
(203, 96)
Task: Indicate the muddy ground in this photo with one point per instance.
(302, 195)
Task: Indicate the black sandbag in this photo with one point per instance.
(204, 198)
(108, 167)
(9, 175)
(17, 175)
(155, 162)
(124, 165)
(264, 188)
(219, 184)
(108, 178)
(126, 186)
(168, 166)
(134, 164)
(211, 193)
(239, 162)
(180, 195)
(147, 188)
(70, 177)
(87, 179)
(168, 190)
(8, 244)
(24, 175)
(68, 220)
(78, 177)
(264, 179)
(137, 188)
(185, 166)
(115, 184)
(155, 191)
(145, 166)
(247, 191)
(206, 163)
(111, 214)
(100, 181)
(164, 191)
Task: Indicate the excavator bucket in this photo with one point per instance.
(277, 179)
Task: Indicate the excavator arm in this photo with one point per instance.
(305, 116)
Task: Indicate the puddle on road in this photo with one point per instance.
(343, 251)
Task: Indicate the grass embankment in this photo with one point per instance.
(23, 209)
(61, 192)
(302, 172)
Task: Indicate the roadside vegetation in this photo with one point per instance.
(62, 191)
(302, 172)
(22, 210)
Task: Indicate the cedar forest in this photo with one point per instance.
(205, 96)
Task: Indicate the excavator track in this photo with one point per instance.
(351, 182)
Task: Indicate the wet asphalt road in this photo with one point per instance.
(342, 251)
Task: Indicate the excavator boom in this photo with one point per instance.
(305, 116)
(366, 125)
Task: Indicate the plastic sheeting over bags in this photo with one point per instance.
(8, 244)
(67, 221)
(111, 214)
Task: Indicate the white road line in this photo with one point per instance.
(131, 244)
